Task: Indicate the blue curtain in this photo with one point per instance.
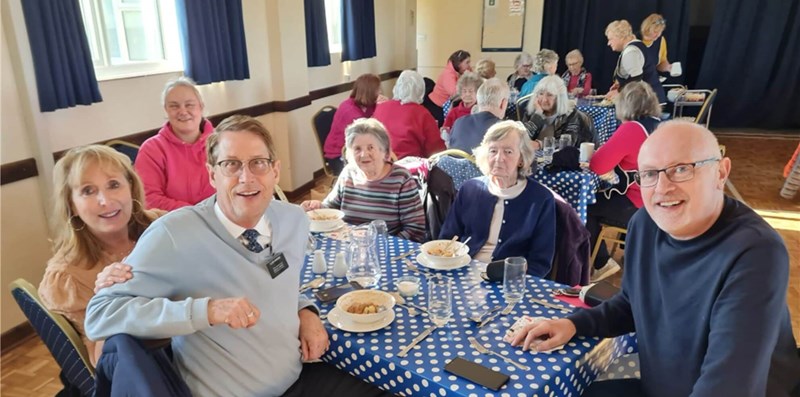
(212, 38)
(317, 51)
(62, 61)
(358, 29)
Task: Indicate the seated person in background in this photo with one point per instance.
(576, 78)
(361, 103)
(522, 71)
(485, 68)
(632, 64)
(506, 212)
(199, 276)
(98, 217)
(637, 107)
(704, 285)
(550, 113)
(412, 129)
(468, 85)
(371, 187)
(544, 64)
(468, 131)
(172, 163)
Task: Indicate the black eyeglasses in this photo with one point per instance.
(676, 173)
(258, 166)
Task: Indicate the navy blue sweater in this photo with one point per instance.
(710, 313)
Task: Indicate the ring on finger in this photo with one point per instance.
(251, 314)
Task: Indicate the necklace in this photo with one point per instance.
(120, 255)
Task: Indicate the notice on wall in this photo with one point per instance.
(516, 7)
(503, 25)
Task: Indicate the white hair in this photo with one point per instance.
(410, 87)
(553, 85)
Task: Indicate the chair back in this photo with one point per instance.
(452, 152)
(522, 106)
(279, 195)
(58, 335)
(704, 116)
(129, 149)
(460, 170)
(322, 122)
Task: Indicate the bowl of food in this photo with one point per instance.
(444, 253)
(325, 218)
(365, 306)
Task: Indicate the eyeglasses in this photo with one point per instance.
(661, 21)
(676, 173)
(258, 166)
(527, 65)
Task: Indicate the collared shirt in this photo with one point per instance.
(263, 227)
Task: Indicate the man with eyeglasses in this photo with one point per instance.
(221, 279)
(704, 286)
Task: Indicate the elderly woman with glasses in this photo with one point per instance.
(412, 129)
(522, 71)
(172, 164)
(550, 113)
(638, 109)
(505, 212)
(576, 78)
(371, 187)
(545, 64)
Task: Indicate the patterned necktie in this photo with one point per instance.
(251, 240)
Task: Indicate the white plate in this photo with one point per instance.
(316, 229)
(422, 259)
(336, 319)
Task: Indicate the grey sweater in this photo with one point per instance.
(183, 260)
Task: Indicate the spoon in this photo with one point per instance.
(315, 283)
(400, 301)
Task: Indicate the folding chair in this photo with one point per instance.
(58, 335)
(322, 122)
(129, 149)
(617, 239)
(683, 100)
(279, 195)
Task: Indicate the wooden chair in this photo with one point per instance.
(704, 115)
(129, 149)
(617, 238)
(322, 121)
(279, 195)
(58, 335)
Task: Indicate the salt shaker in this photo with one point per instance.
(339, 265)
(320, 266)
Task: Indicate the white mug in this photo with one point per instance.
(587, 150)
(676, 69)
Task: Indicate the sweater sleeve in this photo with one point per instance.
(141, 307)
(618, 146)
(62, 293)
(412, 216)
(745, 323)
(543, 246)
(153, 172)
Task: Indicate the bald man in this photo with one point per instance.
(704, 286)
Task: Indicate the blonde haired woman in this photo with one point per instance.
(652, 36)
(632, 64)
(98, 216)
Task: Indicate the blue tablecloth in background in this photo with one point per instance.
(577, 187)
(605, 120)
(373, 357)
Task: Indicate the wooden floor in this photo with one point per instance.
(29, 370)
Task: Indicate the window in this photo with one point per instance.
(132, 37)
(333, 17)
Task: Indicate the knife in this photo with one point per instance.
(550, 305)
(416, 340)
(505, 312)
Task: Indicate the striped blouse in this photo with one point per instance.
(395, 199)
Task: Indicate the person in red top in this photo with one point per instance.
(457, 64)
(576, 78)
(638, 109)
(412, 129)
(468, 85)
(361, 104)
(172, 164)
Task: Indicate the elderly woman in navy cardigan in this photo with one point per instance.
(506, 212)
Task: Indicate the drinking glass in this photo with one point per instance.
(440, 299)
(564, 141)
(548, 147)
(381, 232)
(514, 278)
(593, 92)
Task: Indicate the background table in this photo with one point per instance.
(605, 120)
(577, 187)
(373, 356)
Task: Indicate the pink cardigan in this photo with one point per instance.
(622, 149)
(347, 112)
(445, 86)
(174, 172)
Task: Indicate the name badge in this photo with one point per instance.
(276, 264)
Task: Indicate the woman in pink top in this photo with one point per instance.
(457, 64)
(172, 164)
(637, 106)
(360, 104)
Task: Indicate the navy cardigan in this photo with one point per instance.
(528, 228)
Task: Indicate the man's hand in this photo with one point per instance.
(236, 312)
(545, 335)
(313, 336)
(115, 273)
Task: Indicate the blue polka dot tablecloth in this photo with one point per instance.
(372, 356)
(446, 107)
(577, 187)
(605, 120)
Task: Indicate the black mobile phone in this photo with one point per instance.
(333, 293)
(476, 373)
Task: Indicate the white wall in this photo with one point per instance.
(275, 32)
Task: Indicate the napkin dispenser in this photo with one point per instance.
(595, 294)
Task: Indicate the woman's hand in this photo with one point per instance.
(310, 205)
(577, 91)
(115, 273)
(536, 144)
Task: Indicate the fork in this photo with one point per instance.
(415, 268)
(484, 350)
